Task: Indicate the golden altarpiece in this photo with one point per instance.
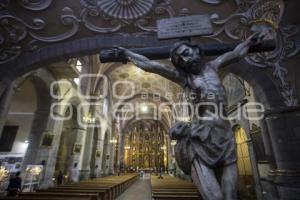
(146, 147)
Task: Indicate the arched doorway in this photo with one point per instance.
(246, 179)
(19, 123)
(250, 147)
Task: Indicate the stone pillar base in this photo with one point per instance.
(84, 175)
(284, 178)
(279, 186)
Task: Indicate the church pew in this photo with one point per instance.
(170, 188)
(107, 188)
(44, 198)
(102, 194)
(90, 196)
(115, 187)
(116, 184)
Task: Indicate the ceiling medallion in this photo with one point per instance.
(126, 9)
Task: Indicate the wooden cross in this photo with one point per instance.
(183, 28)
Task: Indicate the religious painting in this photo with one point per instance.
(77, 148)
(47, 140)
(98, 154)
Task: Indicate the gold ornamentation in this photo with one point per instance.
(273, 24)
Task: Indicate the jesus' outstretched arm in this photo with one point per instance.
(151, 66)
(238, 53)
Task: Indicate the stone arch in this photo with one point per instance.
(41, 82)
(64, 127)
(31, 61)
(266, 92)
(139, 94)
(240, 91)
(260, 80)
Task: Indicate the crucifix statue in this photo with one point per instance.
(205, 146)
(206, 143)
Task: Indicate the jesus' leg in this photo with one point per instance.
(229, 182)
(205, 180)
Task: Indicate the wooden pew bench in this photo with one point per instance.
(44, 198)
(107, 188)
(101, 193)
(90, 196)
(171, 188)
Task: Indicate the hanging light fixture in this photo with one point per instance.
(127, 147)
(113, 141)
(173, 142)
(89, 119)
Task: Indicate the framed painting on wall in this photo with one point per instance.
(98, 154)
(77, 148)
(47, 140)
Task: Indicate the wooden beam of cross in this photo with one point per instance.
(183, 28)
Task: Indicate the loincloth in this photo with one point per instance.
(211, 142)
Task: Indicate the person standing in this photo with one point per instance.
(60, 178)
(14, 186)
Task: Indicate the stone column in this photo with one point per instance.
(39, 126)
(75, 160)
(284, 128)
(49, 155)
(111, 158)
(98, 161)
(121, 151)
(5, 101)
(87, 154)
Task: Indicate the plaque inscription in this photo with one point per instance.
(188, 26)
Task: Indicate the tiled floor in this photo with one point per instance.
(141, 190)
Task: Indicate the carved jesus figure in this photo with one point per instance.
(205, 147)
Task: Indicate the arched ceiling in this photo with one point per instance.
(139, 81)
(84, 27)
(27, 26)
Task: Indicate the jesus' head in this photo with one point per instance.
(187, 57)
